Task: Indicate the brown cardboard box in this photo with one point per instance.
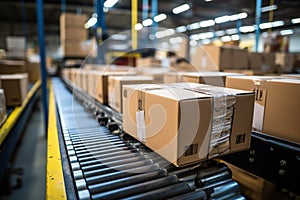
(285, 61)
(115, 85)
(72, 20)
(15, 88)
(98, 84)
(255, 60)
(73, 34)
(173, 77)
(282, 110)
(213, 58)
(160, 116)
(240, 71)
(12, 67)
(33, 70)
(209, 78)
(74, 49)
(148, 62)
(156, 73)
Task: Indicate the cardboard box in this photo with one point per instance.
(98, 84)
(15, 88)
(73, 34)
(2, 107)
(285, 61)
(282, 110)
(12, 67)
(34, 71)
(74, 49)
(277, 104)
(148, 62)
(209, 78)
(173, 77)
(115, 85)
(160, 117)
(214, 58)
(72, 20)
(156, 73)
(255, 60)
(241, 71)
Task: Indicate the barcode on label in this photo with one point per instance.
(240, 139)
(191, 150)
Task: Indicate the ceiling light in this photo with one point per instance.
(110, 3)
(242, 15)
(207, 23)
(234, 17)
(268, 8)
(193, 26)
(265, 25)
(91, 22)
(286, 32)
(277, 23)
(247, 29)
(222, 19)
(231, 31)
(207, 0)
(194, 37)
(138, 26)
(175, 40)
(226, 38)
(220, 33)
(181, 8)
(181, 29)
(193, 43)
(147, 22)
(164, 33)
(119, 37)
(295, 21)
(160, 17)
(152, 37)
(206, 35)
(206, 41)
(235, 37)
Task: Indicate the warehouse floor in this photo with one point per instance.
(31, 156)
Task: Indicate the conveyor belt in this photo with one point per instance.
(106, 165)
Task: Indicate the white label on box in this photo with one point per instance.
(258, 116)
(140, 122)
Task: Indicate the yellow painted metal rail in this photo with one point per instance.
(14, 116)
(55, 186)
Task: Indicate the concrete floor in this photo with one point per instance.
(31, 156)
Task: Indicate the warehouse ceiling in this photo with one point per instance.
(119, 17)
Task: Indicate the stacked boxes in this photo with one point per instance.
(73, 36)
(160, 116)
(277, 106)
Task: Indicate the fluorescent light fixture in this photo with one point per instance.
(222, 19)
(235, 37)
(169, 32)
(242, 15)
(164, 33)
(207, 23)
(207, 0)
(119, 37)
(147, 22)
(226, 38)
(220, 33)
(277, 23)
(247, 29)
(271, 24)
(194, 37)
(119, 46)
(193, 43)
(160, 17)
(295, 21)
(193, 26)
(206, 41)
(268, 8)
(234, 17)
(181, 8)
(181, 29)
(110, 3)
(286, 32)
(231, 31)
(175, 40)
(209, 35)
(138, 26)
(91, 22)
(206, 35)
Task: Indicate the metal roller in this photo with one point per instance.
(195, 195)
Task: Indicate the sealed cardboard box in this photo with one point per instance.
(255, 60)
(98, 84)
(33, 70)
(160, 117)
(209, 78)
(115, 85)
(214, 58)
(282, 110)
(148, 62)
(72, 20)
(12, 67)
(73, 34)
(74, 49)
(15, 88)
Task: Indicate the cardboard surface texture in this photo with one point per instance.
(33, 70)
(73, 34)
(15, 88)
(169, 130)
(12, 66)
(74, 49)
(72, 20)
